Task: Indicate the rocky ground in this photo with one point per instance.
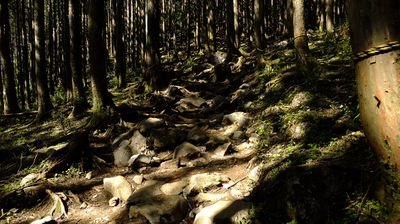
(256, 143)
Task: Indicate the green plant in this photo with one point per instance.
(72, 171)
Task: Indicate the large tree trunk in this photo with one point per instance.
(120, 67)
(211, 26)
(374, 23)
(44, 103)
(230, 31)
(258, 17)
(152, 53)
(75, 27)
(11, 102)
(25, 58)
(101, 96)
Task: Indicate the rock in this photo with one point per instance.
(45, 220)
(125, 136)
(178, 135)
(297, 131)
(256, 173)
(185, 149)
(150, 188)
(160, 209)
(174, 188)
(223, 212)
(161, 138)
(150, 123)
(239, 135)
(137, 143)
(201, 182)
(195, 101)
(172, 91)
(300, 99)
(170, 164)
(140, 160)
(273, 111)
(28, 178)
(218, 57)
(113, 201)
(138, 179)
(222, 149)
(118, 187)
(202, 197)
(199, 162)
(197, 135)
(218, 102)
(122, 154)
(216, 140)
(239, 118)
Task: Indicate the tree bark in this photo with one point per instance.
(373, 23)
(101, 96)
(80, 103)
(258, 17)
(230, 31)
(303, 55)
(10, 100)
(211, 26)
(152, 54)
(120, 67)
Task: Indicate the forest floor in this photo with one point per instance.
(333, 137)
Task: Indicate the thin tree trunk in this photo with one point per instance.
(20, 74)
(44, 103)
(258, 17)
(25, 70)
(10, 100)
(120, 67)
(300, 35)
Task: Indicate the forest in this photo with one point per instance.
(187, 111)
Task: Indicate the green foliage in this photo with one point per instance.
(72, 171)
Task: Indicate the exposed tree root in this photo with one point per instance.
(58, 204)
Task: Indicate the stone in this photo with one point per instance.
(224, 212)
(170, 164)
(160, 138)
(239, 135)
(200, 182)
(297, 131)
(150, 123)
(122, 154)
(195, 101)
(150, 188)
(216, 140)
(185, 149)
(138, 179)
(256, 173)
(202, 197)
(221, 150)
(137, 143)
(199, 162)
(140, 160)
(113, 201)
(197, 135)
(45, 220)
(273, 111)
(117, 187)
(118, 140)
(174, 188)
(160, 209)
(240, 119)
(301, 98)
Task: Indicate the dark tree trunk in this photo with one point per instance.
(374, 23)
(152, 54)
(10, 100)
(230, 31)
(101, 96)
(211, 26)
(258, 17)
(25, 58)
(20, 74)
(44, 103)
(80, 103)
(67, 49)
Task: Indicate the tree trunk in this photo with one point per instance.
(80, 103)
(374, 23)
(10, 100)
(120, 67)
(288, 20)
(329, 16)
(152, 54)
(25, 58)
(230, 31)
(258, 17)
(44, 103)
(300, 36)
(101, 96)
(211, 27)
(20, 74)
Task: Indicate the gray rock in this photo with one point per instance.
(140, 160)
(185, 149)
(297, 131)
(256, 173)
(201, 182)
(118, 140)
(240, 119)
(122, 154)
(222, 149)
(216, 140)
(161, 138)
(118, 187)
(239, 135)
(178, 135)
(170, 164)
(202, 197)
(223, 212)
(137, 143)
(150, 123)
(174, 188)
(199, 162)
(160, 209)
(300, 99)
(195, 101)
(45, 220)
(197, 135)
(273, 111)
(150, 188)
